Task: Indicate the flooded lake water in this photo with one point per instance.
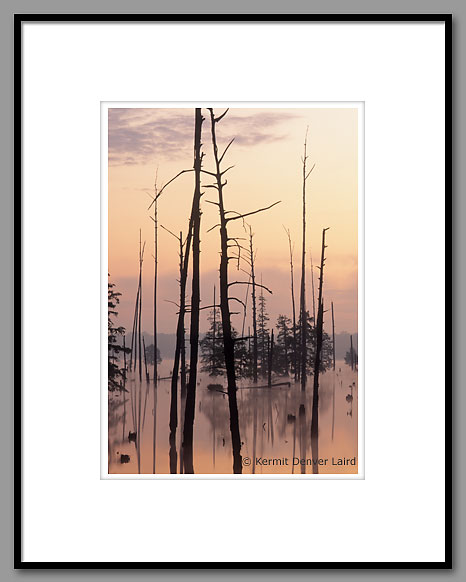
(274, 426)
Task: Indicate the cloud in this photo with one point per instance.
(138, 136)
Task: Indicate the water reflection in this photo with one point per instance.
(274, 427)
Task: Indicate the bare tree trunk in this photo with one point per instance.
(183, 343)
(228, 343)
(141, 253)
(139, 336)
(195, 300)
(213, 336)
(313, 292)
(295, 341)
(213, 430)
(303, 276)
(124, 386)
(254, 307)
(145, 359)
(351, 352)
(154, 437)
(270, 360)
(302, 436)
(245, 310)
(156, 250)
(179, 347)
(333, 336)
(319, 330)
(182, 409)
(133, 333)
(285, 348)
(254, 432)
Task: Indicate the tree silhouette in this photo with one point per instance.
(263, 334)
(116, 374)
(195, 299)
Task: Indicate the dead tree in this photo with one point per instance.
(251, 259)
(351, 352)
(225, 284)
(295, 342)
(228, 343)
(195, 299)
(137, 344)
(156, 250)
(180, 329)
(303, 315)
(318, 354)
(141, 258)
(333, 336)
(313, 291)
(271, 345)
(214, 339)
(124, 386)
(183, 342)
(133, 333)
(179, 349)
(145, 359)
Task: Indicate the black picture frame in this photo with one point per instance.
(19, 19)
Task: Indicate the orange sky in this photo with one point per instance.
(267, 157)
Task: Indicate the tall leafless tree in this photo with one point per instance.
(295, 342)
(136, 352)
(195, 299)
(183, 268)
(228, 342)
(251, 259)
(225, 240)
(317, 362)
(156, 250)
(180, 330)
(270, 366)
(155, 379)
(313, 291)
(303, 314)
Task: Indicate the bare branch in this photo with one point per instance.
(217, 119)
(310, 171)
(210, 173)
(236, 238)
(225, 171)
(225, 151)
(169, 182)
(253, 212)
(169, 231)
(239, 301)
(247, 283)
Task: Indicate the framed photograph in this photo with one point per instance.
(254, 417)
(233, 234)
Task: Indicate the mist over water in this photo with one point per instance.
(274, 426)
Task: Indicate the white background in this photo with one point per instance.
(397, 512)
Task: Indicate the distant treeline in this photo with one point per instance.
(166, 343)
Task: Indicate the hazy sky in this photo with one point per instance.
(266, 154)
